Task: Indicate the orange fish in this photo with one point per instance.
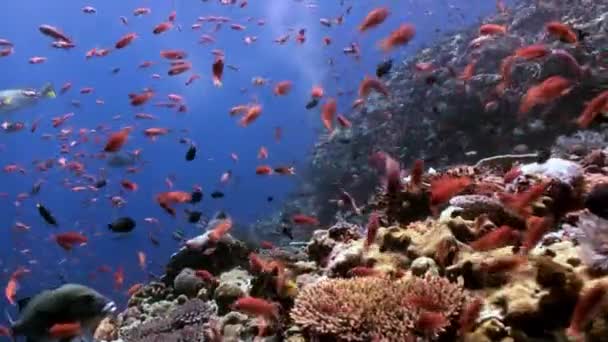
(134, 289)
(218, 70)
(492, 29)
(141, 257)
(532, 51)
(251, 115)
(550, 89)
(401, 36)
(317, 92)
(67, 240)
(304, 220)
(141, 98)
(593, 109)
(520, 203)
(179, 68)
(117, 140)
(11, 290)
(173, 54)
(468, 72)
(162, 27)
(343, 121)
(505, 72)
(587, 306)
(374, 18)
(328, 111)
(262, 153)
(536, 227)
(444, 188)
(155, 132)
(497, 238)
(128, 185)
(282, 88)
(263, 170)
(256, 307)
(220, 230)
(562, 31)
(119, 277)
(65, 330)
(370, 83)
(125, 40)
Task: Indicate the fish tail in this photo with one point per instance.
(48, 91)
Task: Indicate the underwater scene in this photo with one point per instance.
(304, 170)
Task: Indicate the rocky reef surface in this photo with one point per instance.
(440, 115)
(515, 255)
(509, 245)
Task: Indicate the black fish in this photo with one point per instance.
(122, 225)
(217, 194)
(194, 216)
(46, 215)
(312, 103)
(100, 183)
(196, 196)
(191, 154)
(597, 201)
(384, 68)
(36, 188)
(287, 232)
(269, 198)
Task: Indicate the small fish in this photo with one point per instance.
(193, 216)
(384, 68)
(217, 194)
(196, 196)
(46, 215)
(312, 103)
(191, 153)
(122, 225)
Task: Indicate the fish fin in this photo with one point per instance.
(22, 303)
(48, 91)
(7, 100)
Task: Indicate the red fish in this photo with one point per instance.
(162, 27)
(370, 83)
(373, 224)
(251, 115)
(520, 203)
(256, 307)
(401, 36)
(220, 230)
(217, 69)
(54, 33)
(117, 140)
(374, 18)
(263, 170)
(497, 238)
(492, 29)
(562, 31)
(119, 277)
(262, 153)
(444, 188)
(179, 68)
(550, 89)
(536, 227)
(37, 60)
(587, 306)
(282, 88)
(173, 54)
(128, 185)
(532, 51)
(125, 40)
(68, 240)
(302, 219)
(593, 109)
(141, 98)
(343, 121)
(141, 11)
(328, 111)
(134, 289)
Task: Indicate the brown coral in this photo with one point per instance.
(361, 309)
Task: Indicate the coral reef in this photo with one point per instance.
(511, 247)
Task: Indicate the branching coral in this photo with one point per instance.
(361, 309)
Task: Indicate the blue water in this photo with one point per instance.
(207, 122)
